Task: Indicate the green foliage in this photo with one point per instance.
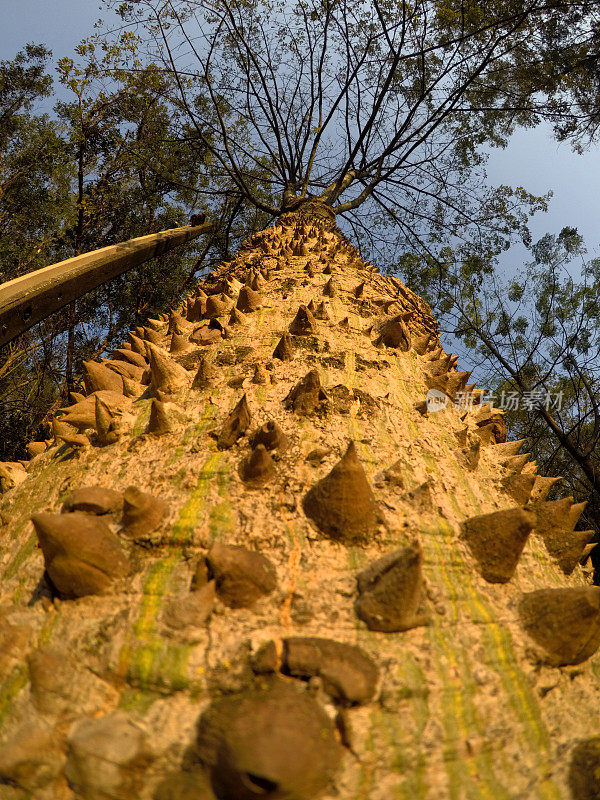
(34, 171)
(22, 82)
(537, 334)
(383, 107)
(109, 167)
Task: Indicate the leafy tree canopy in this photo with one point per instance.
(386, 106)
(106, 167)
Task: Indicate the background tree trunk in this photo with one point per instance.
(464, 705)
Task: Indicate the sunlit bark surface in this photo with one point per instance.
(143, 657)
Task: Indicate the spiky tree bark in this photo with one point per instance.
(296, 581)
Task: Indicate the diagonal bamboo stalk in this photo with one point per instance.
(26, 300)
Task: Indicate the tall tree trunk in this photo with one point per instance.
(69, 377)
(465, 683)
(69, 366)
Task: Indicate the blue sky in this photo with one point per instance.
(532, 159)
(535, 161)
(60, 24)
